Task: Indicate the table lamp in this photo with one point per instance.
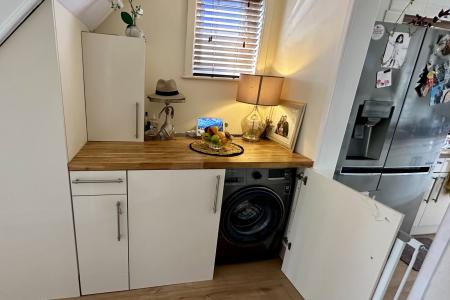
(257, 90)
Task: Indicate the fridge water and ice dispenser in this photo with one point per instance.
(370, 130)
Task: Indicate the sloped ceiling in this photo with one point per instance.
(91, 12)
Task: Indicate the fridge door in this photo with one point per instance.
(393, 96)
(403, 192)
(364, 181)
(422, 129)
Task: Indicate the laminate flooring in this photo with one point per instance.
(249, 281)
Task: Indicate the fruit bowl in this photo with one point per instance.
(216, 139)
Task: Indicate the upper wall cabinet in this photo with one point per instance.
(114, 77)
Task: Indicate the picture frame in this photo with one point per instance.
(286, 120)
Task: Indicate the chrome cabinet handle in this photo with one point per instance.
(432, 189)
(78, 181)
(217, 194)
(440, 190)
(137, 120)
(119, 212)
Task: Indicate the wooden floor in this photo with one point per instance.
(398, 275)
(396, 279)
(250, 281)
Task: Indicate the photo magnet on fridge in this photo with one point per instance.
(378, 32)
(384, 79)
(396, 50)
(437, 92)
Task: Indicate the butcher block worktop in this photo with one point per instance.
(175, 154)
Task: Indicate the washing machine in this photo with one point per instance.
(255, 208)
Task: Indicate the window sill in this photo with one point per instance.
(209, 78)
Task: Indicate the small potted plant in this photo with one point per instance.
(130, 18)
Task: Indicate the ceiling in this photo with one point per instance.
(91, 12)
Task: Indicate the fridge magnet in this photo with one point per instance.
(443, 46)
(396, 50)
(447, 74)
(446, 97)
(421, 84)
(437, 92)
(429, 84)
(378, 32)
(287, 119)
(384, 79)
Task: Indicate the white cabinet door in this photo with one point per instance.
(114, 77)
(434, 210)
(174, 222)
(37, 243)
(102, 242)
(340, 240)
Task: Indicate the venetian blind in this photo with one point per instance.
(226, 37)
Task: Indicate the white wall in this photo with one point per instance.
(432, 282)
(164, 24)
(351, 63)
(37, 256)
(428, 8)
(309, 52)
(321, 51)
(439, 287)
(68, 32)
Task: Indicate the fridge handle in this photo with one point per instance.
(440, 190)
(432, 189)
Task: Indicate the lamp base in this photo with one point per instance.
(251, 139)
(253, 126)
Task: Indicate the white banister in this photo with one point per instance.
(10, 22)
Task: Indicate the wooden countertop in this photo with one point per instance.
(175, 154)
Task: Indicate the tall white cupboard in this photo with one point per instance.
(114, 78)
(37, 256)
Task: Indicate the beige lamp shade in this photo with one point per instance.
(259, 89)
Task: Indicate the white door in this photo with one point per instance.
(434, 210)
(174, 223)
(340, 241)
(114, 77)
(102, 242)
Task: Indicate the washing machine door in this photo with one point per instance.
(251, 215)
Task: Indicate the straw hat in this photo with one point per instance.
(166, 91)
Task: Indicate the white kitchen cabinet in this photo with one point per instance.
(102, 242)
(114, 78)
(433, 207)
(339, 240)
(88, 183)
(37, 242)
(173, 223)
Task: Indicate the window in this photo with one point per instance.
(226, 37)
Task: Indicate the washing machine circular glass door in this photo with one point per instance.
(252, 215)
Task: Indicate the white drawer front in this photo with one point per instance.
(445, 166)
(442, 166)
(89, 183)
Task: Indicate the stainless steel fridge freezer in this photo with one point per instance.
(391, 157)
(422, 128)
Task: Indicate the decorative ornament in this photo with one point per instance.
(130, 18)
